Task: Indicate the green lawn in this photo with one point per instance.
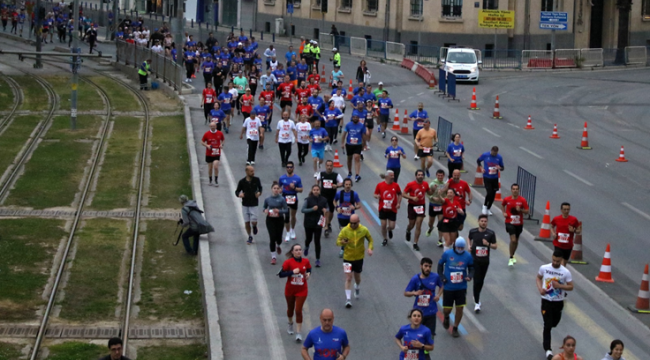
(14, 137)
(121, 98)
(76, 351)
(170, 175)
(87, 96)
(34, 95)
(9, 351)
(27, 250)
(186, 352)
(167, 272)
(7, 98)
(92, 295)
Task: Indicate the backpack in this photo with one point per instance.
(341, 196)
(198, 222)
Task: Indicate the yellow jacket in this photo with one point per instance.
(355, 248)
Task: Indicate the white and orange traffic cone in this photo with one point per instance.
(605, 274)
(337, 163)
(478, 178)
(405, 123)
(350, 91)
(322, 76)
(497, 113)
(396, 126)
(643, 299)
(529, 124)
(621, 156)
(554, 135)
(576, 254)
(584, 143)
(545, 230)
(497, 197)
(472, 105)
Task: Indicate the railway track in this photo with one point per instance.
(18, 101)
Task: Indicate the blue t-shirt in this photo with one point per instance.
(216, 48)
(344, 92)
(327, 346)
(369, 96)
(190, 43)
(456, 152)
(189, 57)
(262, 112)
(491, 165)
(279, 75)
(225, 59)
(232, 44)
(407, 334)
(455, 269)
(425, 301)
(330, 117)
(345, 200)
(385, 105)
(207, 66)
(356, 90)
(289, 55)
(321, 133)
(418, 124)
(217, 115)
(393, 155)
(174, 52)
(355, 133)
(285, 182)
(249, 53)
(356, 99)
(254, 45)
(316, 103)
(360, 113)
(291, 71)
(302, 71)
(226, 98)
(243, 39)
(238, 60)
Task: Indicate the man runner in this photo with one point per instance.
(329, 181)
(423, 287)
(493, 164)
(213, 141)
(291, 186)
(354, 135)
(462, 190)
(436, 198)
(418, 117)
(514, 207)
(353, 237)
(329, 341)
(415, 192)
(251, 127)
(249, 189)
(389, 195)
(385, 104)
(563, 227)
(456, 268)
(208, 98)
(481, 241)
(425, 139)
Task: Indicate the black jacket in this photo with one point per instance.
(249, 189)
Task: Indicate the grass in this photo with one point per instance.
(170, 176)
(121, 98)
(13, 139)
(26, 252)
(186, 352)
(166, 274)
(87, 96)
(7, 98)
(34, 95)
(114, 186)
(92, 295)
(53, 173)
(76, 351)
(9, 351)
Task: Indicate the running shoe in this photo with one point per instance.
(477, 308)
(248, 162)
(273, 260)
(341, 253)
(340, 130)
(210, 184)
(408, 235)
(384, 243)
(298, 337)
(278, 250)
(293, 234)
(484, 210)
(216, 183)
(489, 212)
(357, 178)
(511, 262)
(356, 291)
(254, 229)
(428, 233)
(317, 263)
(327, 232)
(335, 141)
(361, 155)
(287, 237)
(306, 252)
(316, 175)
(416, 247)
(514, 260)
(416, 158)
(445, 323)
(383, 135)
(290, 329)
(440, 243)
(454, 332)
(549, 355)
(227, 129)
(390, 234)
(250, 240)
(299, 162)
(349, 175)
(252, 162)
(427, 172)
(348, 304)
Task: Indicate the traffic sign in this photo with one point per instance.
(289, 8)
(553, 20)
(496, 19)
(547, 26)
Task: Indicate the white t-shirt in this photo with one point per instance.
(303, 129)
(157, 49)
(274, 66)
(339, 178)
(285, 131)
(234, 93)
(339, 101)
(561, 275)
(252, 126)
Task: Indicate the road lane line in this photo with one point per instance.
(513, 125)
(420, 93)
(471, 116)
(578, 178)
(530, 152)
(491, 132)
(370, 212)
(402, 101)
(636, 210)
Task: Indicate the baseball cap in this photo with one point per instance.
(239, 44)
(334, 49)
(380, 83)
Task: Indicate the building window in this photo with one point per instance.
(491, 4)
(452, 8)
(416, 8)
(547, 5)
(317, 4)
(346, 4)
(646, 9)
(372, 5)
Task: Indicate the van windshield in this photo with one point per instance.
(461, 58)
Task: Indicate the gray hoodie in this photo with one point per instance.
(609, 357)
(185, 213)
(276, 202)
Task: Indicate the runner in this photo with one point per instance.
(553, 281)
(371, 113)
(346, 202)
(464, 196)
(263, 113)
(207, 67)
(514, 207)
(267, 95)
(303, 128)
(456, 268)
(225, 100)
(393, 154)
(241, 84)
(276, 210)
(563, 227)
(615, 351)
(423, 287)
(317, 104)
(354, 134)
(285, 137)
(414, 340)
(319, 138)
(246, 103)
(329, 181)
(332, 117)
(436, 198)
(418, 116)
(286, 90)
(329, 341)
(493, 164)
(208, 98)
(568, 350)
(426, 139)
(353, 237)
(481, 241)
(448, 227)
(415, 192)
(455, 154)
(213, 141)
(385, 104)
(251, 127)
(297, 270)
(304, 108)
(249, 189)
(315, 209)
(389, 195)
(291, 186)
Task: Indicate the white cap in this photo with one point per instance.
(239, 44)
(380, 83)
(334, 49)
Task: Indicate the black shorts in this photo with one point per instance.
(434, 212)
(370, 123)
(343, 222)
(330, 202)
(387, 215)
(353, 149)
(210, 159)
(227, 112)
(415, 133)
(566, 253)
(357, 265)
(430, 322)
(451, 297)
(422, 154)
(447, 225)
(383, 119)
(412, 215)
(285, 103)
(514, 229)
(291, 206)
(460, 218)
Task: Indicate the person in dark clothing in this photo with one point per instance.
(211, 41)
(315, 209)
(157, 35)
(249, 189)
(190, 211)
(335, 32)
(115, 346)
(91, 35)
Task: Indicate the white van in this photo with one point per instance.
(463, 63)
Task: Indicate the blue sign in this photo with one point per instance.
(290, 8)
(553, 20)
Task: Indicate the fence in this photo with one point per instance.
(425, 55)
(536, 59)
(566, 58)
(444, 135)
(358, 46)
(451, 87)
(592, 57)
(442, 81)
(162, 67)
(375, 48)
(501, 59)
(636, 55)
(395, 51)
(326, 40)
(527, 183)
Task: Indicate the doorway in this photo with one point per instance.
(596, 26)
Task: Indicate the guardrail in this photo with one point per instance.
(162, 67)
(527, 183)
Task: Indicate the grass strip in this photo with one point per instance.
(9, 351)
(7, 99)
(121, 98)
(114, 186)
(87, 96)
(167, 273)
(91, 291)
(34, 95)
(27, 250)
(185, 352)
(74, 350)
(14, 137)
(170, 176)
(53, 173)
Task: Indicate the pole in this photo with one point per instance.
(553, 30)
(116, 19)
(75, 67)
(290, 33)
(37, 33)
(420, 28)
(494, 52)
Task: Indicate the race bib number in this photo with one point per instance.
(291, 199)
(215, 119)
(457, 153)
(354, 141)
(328, 184)
(321, 221)
(247, 103)
(286, 135)
(563, 237)
(216, 151)
(252, 132)
(515, 219)
(384, 106)
(286, 94)
(208, 99)
(274, 212)
(305, 138)
(419, 210)
(394, 154)
(481, 251)
(423, 300)
(426, 150)
(437, 208)
(346, 211)
(208, 69)
(240, 87)
(347, 268)
(317, 139)
(297, 279)
(388, 204)
(412, 354)
(492, 170)
(456, 277)
(253, 81)
(314, 106)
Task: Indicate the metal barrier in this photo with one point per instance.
(442, 82)
(501, 59)
(591, 57)
(375, 48)
(343, 44)
(451, 87)
(609, 57)
(162, 67)
(442, 54)
(635, 55)
(326, 41)
(395, 51)
(566, 58)
(536, 59)
(527, 183)
(425, 55)
(444, 135)
(358, 46)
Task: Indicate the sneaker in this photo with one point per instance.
(408, 235)
(261, 147)
(357, 178)
(427, 172)
(317, 263)
(254, 229)
(250, 240)
(367, 147)
(356, 291)
(549, 355)
(306, 252)
(361, 156)
(290, 329)
(445, 323)
(210, 184)
(248, 162)
(384, 243)
(252, 162)
(341, 253)
(489, 212)
(440, 243)
(428, 233)
(514, 260)
(273, 260)
(327, 232)
(298, 338)
(348, 304)
(511, 262)
(316, 175)
(299, 162)
(349, 175)
(227, 129)
(390, 234)
(293, 234)
(287, 237)
(334, 142)
(278, 250)
(416, 158)
(477, 308)
(383, 135)
(216, 183)
(416, 247)
(454, 332)
(340, 130)
(484, 211)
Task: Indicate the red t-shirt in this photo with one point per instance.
(304, 110)
(296, 283)
(268, 97)
(209, 95)
(286, 91)
(312, 76)
(312, 87)
(461, 188)
(247, 103)
(450, 208)
(388, 196)
(302, 93)
(419, 190)
(512, 215)
(213, 139)
(564, 238)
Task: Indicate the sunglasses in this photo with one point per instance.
(289, 167)
(393, 139)
(354, 223)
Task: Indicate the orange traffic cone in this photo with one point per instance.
(643, 299)
(605, 274)
(576, 254)
(496, 114)
(322, 76)
(584, 143)
(350, 91)
(545, 231)
(621, 156)
(529, 124)
(337, 163)
(405, 123)
(472, 105)
(554, 135)
(478, 178)
(497, 197)
(396, 126)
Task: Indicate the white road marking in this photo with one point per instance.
(636, 210)
(471, 116)
(513, 125)
(402, 101)
(530, 152)
(491, 132)
(420, 93)
(501, 93)
(578, 178)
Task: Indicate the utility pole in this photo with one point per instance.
(75, 66)
(37, 33)
(178, 24)
(420, 28)
(553, 30)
